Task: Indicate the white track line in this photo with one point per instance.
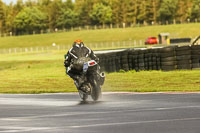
(13, 129)
(36, 102)
(107, 93)
(92, 113)
(136, 122)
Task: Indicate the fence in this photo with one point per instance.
(94, 27)
(95, 46)
(54, 47)
(166, 58)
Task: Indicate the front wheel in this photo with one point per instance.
(83, 95)
(96, 90)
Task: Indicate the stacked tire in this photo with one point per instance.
(113, 58)
(131, 61)
(141, 60)
(124, 60)
(156, 59)
(135, 59)
(110, 62)
(168, 58)
(118, 61)
(195, 56)
(148, 59)
(183, 57)
(106, 62)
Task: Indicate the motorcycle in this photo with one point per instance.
(91, 76)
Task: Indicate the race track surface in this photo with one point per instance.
(115, 113)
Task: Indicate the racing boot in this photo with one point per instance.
(84, 88)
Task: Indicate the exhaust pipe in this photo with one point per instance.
(102, 78)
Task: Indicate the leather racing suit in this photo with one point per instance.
(74, 53)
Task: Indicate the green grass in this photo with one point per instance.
(154, 81)
(103, 35)
(45, 73)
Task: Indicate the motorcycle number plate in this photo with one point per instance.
(85, 67)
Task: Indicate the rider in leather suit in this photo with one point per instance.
(78, 50)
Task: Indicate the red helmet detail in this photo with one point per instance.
(78, 41)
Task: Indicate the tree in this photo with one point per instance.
(183, 10)
(167, 10)
(115, 5)
(133, 12)
(30, 3)
(67, 19)
(83, 9)
(101, 14)
(43, 5)
(123, 10)
(143, 15)
(10, 16)
(68, 13)
(195, 12)
(54, 9)
(29, 20)
(2, 16)
(18, 6)
(1, 11)
(69, 4)
(155, 6)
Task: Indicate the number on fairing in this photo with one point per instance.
(85, 67)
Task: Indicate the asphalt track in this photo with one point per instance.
(115, 113)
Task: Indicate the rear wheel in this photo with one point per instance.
(96, 90)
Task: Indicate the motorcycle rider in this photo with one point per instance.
(78, 50)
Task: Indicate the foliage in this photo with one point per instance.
(2, 16)
(67, 19)
(30, 19)
(62, 14)
(101, 14)
(195, 14)
(167, 10)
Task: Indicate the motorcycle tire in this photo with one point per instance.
(96, 90)
(82, 95)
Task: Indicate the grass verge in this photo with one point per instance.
(45, 73)
(103, 35)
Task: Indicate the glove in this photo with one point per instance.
(66, 63)
(68, 69)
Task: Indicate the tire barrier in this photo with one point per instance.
(124, 60)
(183, 57)
(165, 59)
(168, 58)
(195, 56)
